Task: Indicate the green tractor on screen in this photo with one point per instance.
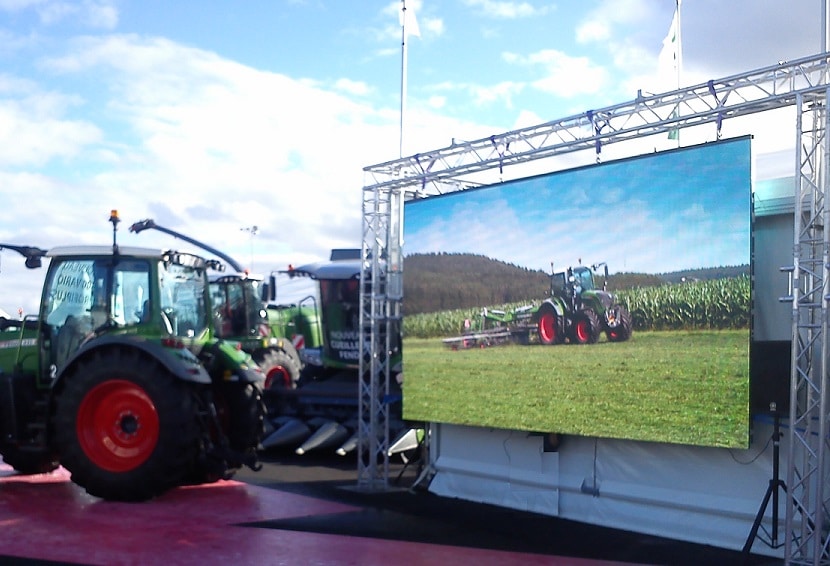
(577, 311)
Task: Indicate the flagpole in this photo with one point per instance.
(679, 55)
(403, 75)
(679, 43)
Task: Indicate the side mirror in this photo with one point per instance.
(269, 290)
(33, 262)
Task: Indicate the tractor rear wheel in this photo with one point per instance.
(549, 328)
(126, 428)
(585, 328)
(281, 370)
(621, 331)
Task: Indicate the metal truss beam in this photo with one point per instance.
(381, 291)
(807, 474)
(439, 171)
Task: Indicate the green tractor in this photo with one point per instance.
(119, 378)
(577, 311)
(241, 317)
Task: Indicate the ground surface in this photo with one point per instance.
(307, 510)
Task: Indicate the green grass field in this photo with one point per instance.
(685, 387)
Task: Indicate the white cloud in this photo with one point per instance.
(592, 31)
(508, 10)
(432, 26)
(199, 143)
(502, 92)
(34, 130)
(349, 86)
(437, 101)
(99, 14)
(563, 75)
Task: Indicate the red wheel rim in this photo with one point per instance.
(117, 425)
(582, 331)
(277, 376)
(547, 327)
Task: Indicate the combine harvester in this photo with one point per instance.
(321, 413)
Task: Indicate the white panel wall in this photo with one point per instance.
(702, 495)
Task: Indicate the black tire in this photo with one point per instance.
(549, 327)
(245, 421)
(585, 327)
(125, 427)
(282, 371)
(27, 462)
(621, 331)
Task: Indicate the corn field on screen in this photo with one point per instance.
(611, 301)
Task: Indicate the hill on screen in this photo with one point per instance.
(441, 281)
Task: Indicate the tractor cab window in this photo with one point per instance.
(131, 292)
(583, 279)
(237, 308)
(84, 295)
(69, 291)
(557, 284)
(340, 302)
(182, 300)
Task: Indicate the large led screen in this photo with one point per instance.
(607, 301)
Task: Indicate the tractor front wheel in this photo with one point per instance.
(281, 370)
(126, 428)
(621, 330)
(585, 329)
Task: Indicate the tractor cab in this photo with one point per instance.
(339, 308)
(237, 306)
(582, 279)
(89, 292)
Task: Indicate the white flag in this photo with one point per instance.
(669, 58)
(408, 21)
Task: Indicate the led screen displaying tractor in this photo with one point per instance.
(610, 301)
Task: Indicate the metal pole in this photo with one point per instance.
(403, 75)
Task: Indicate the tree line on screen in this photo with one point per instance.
(441, 290)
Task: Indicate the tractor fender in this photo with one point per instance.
(554, 303)
(181, 362)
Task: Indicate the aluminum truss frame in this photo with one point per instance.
(807, 472)
(800, 83)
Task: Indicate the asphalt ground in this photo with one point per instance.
(406, 511)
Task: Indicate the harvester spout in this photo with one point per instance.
(149, 223)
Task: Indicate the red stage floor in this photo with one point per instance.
(47, 517)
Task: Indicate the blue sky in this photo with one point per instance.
(216, 116)
(653, 214)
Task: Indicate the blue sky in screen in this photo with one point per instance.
(683, 209)
(212, 117)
